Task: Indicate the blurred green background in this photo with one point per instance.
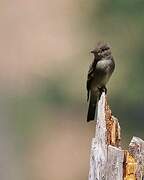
(45, 54)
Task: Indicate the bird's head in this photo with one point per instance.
(102, 50)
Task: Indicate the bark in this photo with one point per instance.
(107, 160)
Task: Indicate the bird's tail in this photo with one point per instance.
(94, 96)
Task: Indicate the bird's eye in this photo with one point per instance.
(105, 48)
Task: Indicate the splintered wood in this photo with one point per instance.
(130, 166)
(113, 128)
(107, 160)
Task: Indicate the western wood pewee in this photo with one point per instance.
(99, 73)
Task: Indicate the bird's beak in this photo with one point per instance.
(93, 51)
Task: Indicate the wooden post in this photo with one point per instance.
(107, 160)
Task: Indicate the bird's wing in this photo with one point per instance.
(90, 78)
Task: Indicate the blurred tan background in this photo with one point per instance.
(45, 53)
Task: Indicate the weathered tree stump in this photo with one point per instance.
(107, 160)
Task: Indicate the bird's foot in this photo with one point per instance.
(103, 89)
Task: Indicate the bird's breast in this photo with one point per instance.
(104, 65)
(103, 72)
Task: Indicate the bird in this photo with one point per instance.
(99, 74)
